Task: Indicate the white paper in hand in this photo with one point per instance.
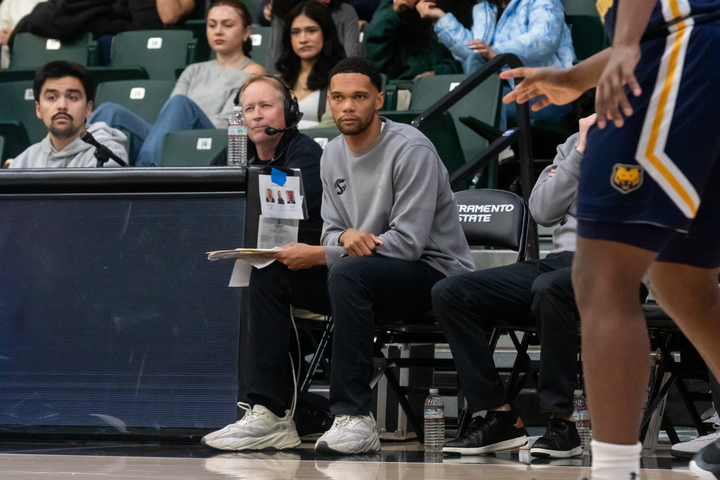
(241, 274)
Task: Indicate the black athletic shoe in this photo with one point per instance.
(706, 463)
(561, 440)
(497, 431)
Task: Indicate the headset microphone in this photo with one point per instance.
(275, 131)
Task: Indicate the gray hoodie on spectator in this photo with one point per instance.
(398, 190)
(554, 199)
(76, 154)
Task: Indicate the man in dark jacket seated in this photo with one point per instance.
(269, 104)
(266, 101)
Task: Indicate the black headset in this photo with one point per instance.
(291, 107)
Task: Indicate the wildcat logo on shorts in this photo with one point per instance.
(626, 178)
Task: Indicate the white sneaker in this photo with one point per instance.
(688, 449)
(258, 429)
(350, 434)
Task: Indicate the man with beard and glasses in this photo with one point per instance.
(64, 94)
(390, 232)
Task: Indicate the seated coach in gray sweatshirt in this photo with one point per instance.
(390, 232)
(531, 293)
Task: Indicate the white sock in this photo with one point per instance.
(615, 462)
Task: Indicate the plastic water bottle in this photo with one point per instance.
(582, 419)
(237, 138)
(434, 422)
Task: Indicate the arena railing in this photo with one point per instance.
(517, 138)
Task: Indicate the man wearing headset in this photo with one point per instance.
(390, 232)
(272, 115)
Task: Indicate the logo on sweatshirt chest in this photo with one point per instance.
(340, 186)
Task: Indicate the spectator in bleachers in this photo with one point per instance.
(404, 46)
(380, 256)
(265, 101)
(311, 48)
(11, 12)
(148, 15)
(64, 94)
(343, 16)
(533, 292)
(534, 30)
(204, 93)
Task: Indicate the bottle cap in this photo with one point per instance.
(578, 392)
(237, 108)
(434, 391)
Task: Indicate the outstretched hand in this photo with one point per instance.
(611, 98)
(550, 85)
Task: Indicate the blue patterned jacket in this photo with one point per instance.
(534, 30)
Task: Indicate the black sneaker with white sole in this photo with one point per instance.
(706, 463)
(561, 440)
(497, 431)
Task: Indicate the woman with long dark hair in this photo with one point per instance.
(310, 49)
(343, 16)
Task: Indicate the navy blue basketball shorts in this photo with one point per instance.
(655, 182)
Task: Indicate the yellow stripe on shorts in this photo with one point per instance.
(651, 147)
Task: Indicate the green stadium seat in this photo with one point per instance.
(17, 75)
(192, 148)
(99, 74)
(111, 74)
(199, 30)
(483, 103)
(588, 35)
(18, 105)
(30, 51)
(321, 135)
(160, 52)
(442, 133)
(143, 97)
(16, 140)
(253, 6)
(260, 37)
(580, 7)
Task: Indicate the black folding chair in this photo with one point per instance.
(489, 218)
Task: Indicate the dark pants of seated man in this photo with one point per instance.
(356, 290)
(534, 292)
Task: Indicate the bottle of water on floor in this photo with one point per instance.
(434, 422)
(237, 138)
(582, 420)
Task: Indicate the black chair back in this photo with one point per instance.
(494, 218)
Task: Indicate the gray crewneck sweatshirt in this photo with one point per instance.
(76, 154)
(398, 190)
(554, 199)
(213, 88)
